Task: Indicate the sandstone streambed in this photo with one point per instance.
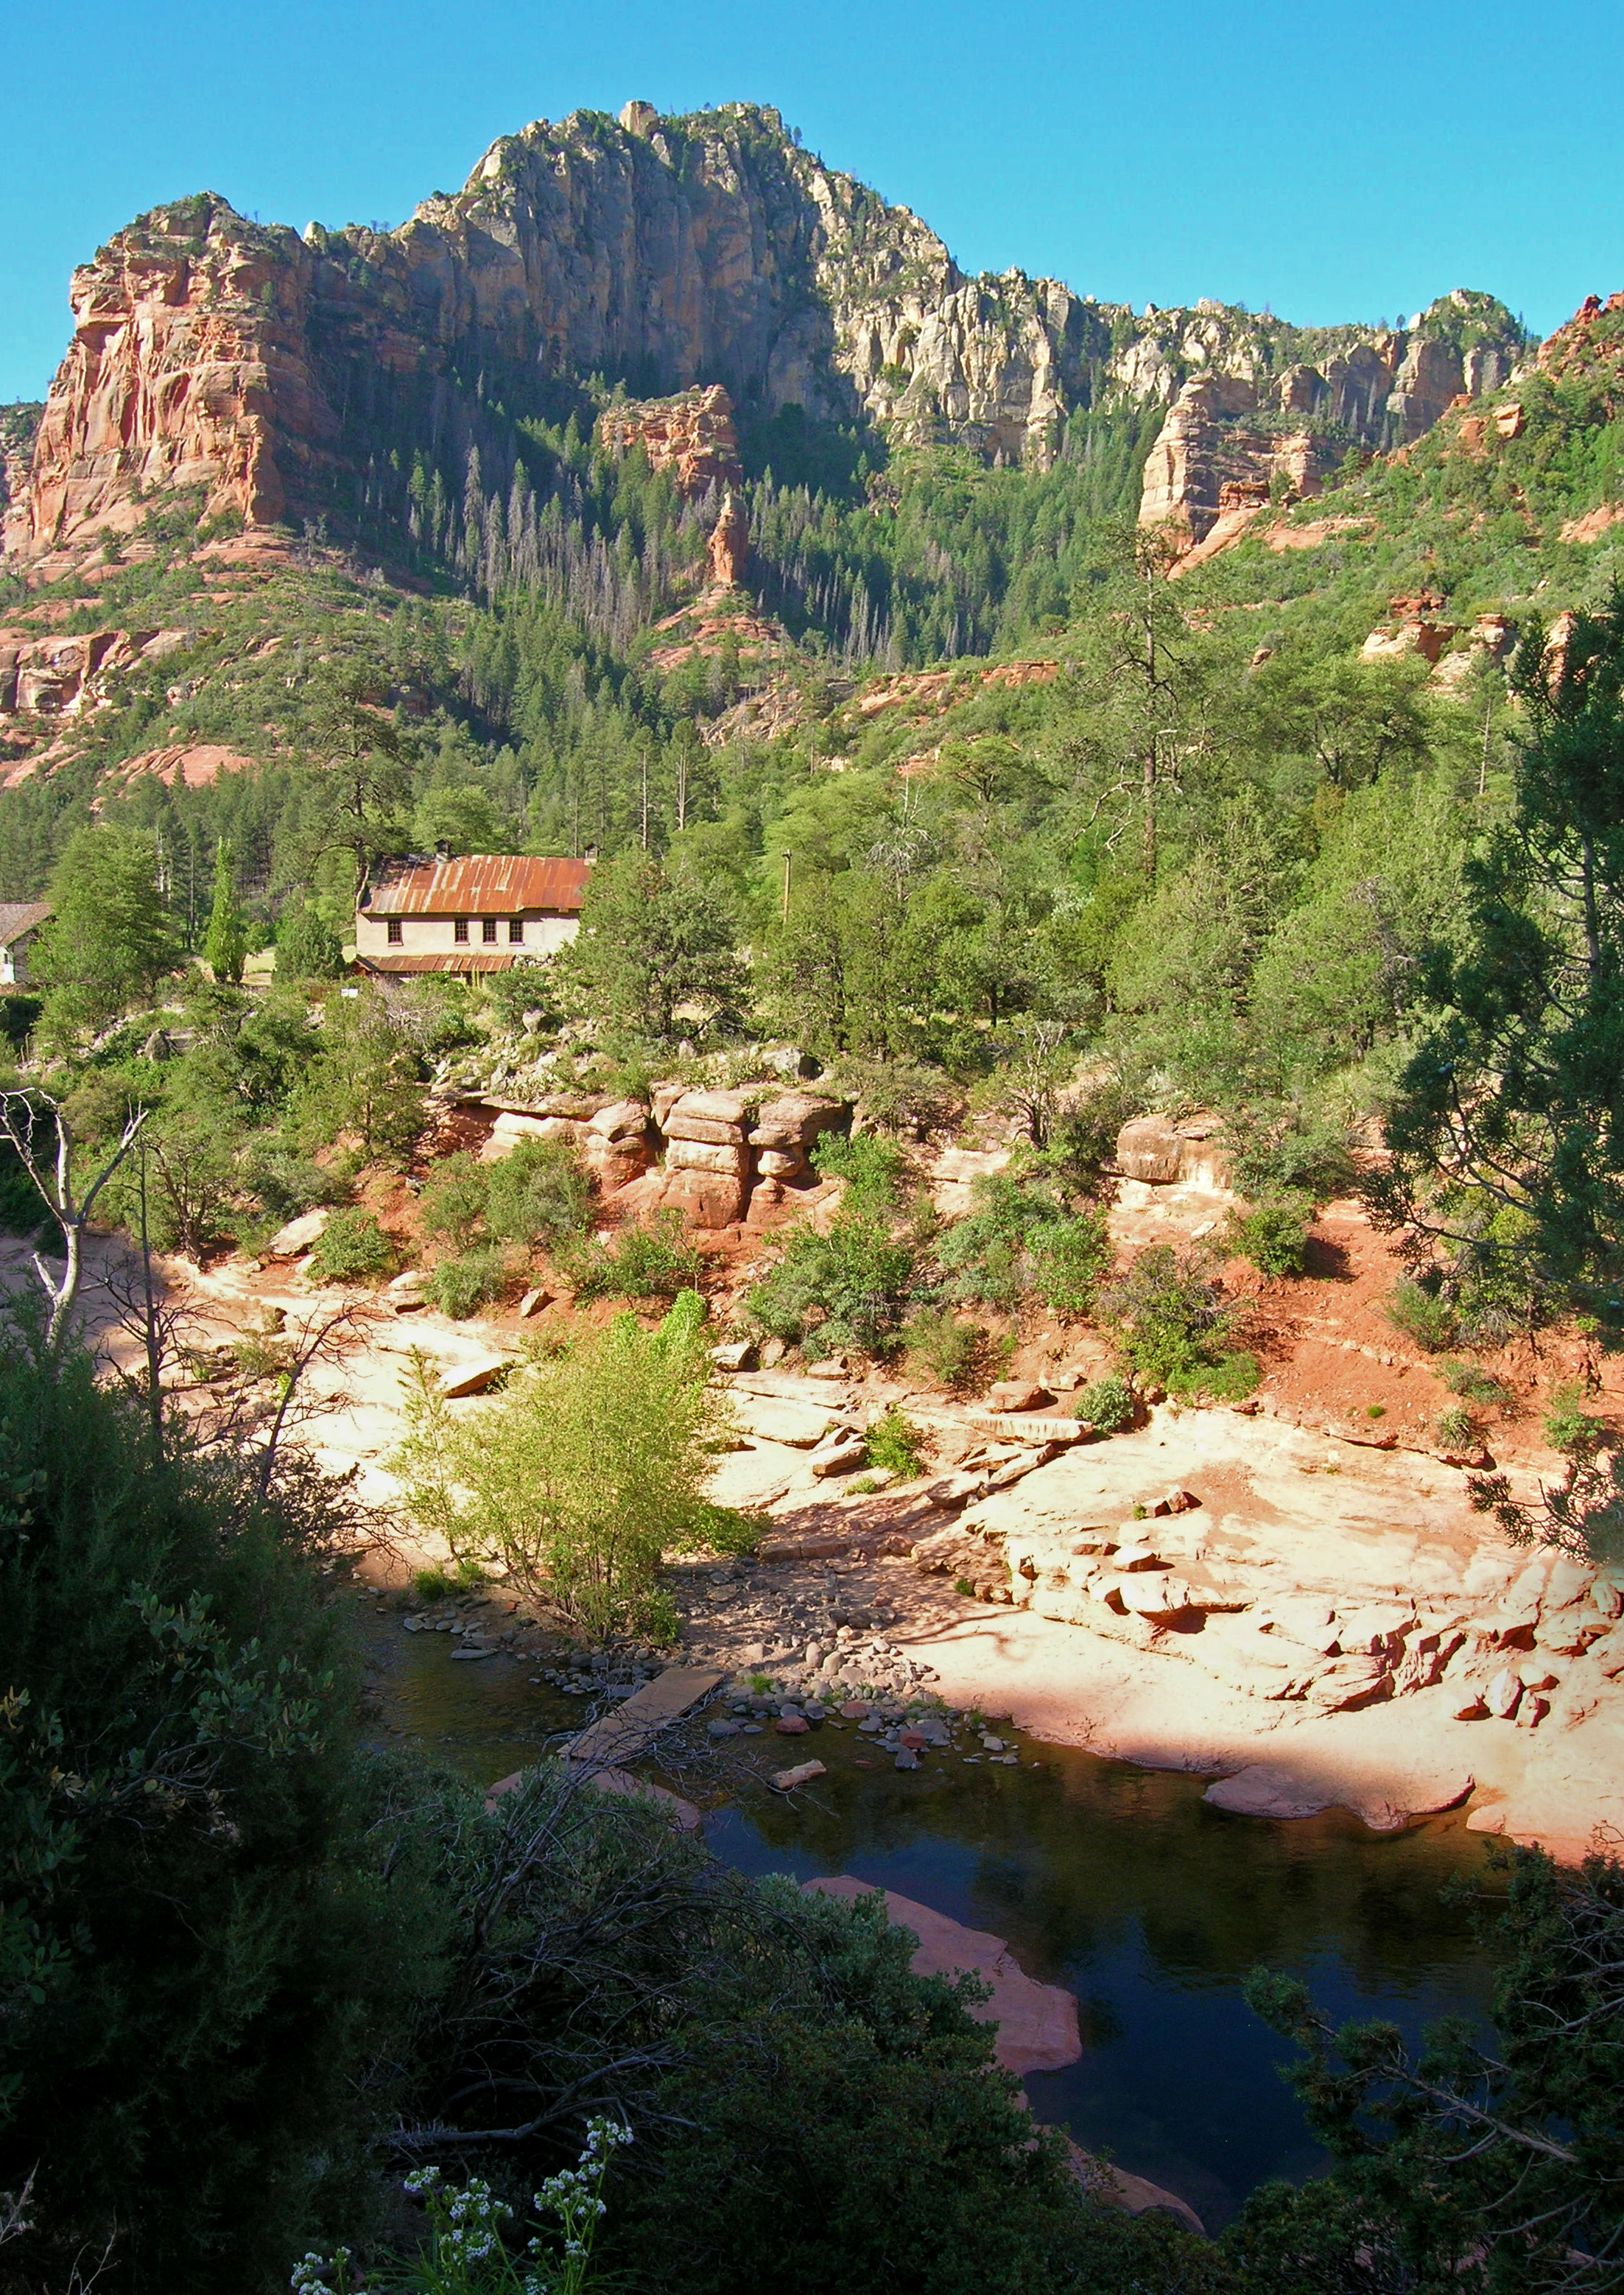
(1117, 1882)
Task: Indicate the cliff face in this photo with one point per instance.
(690, 433)
(672, 253)
(1276, 409)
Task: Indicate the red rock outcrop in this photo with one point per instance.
(730, 543)
(189, 367)
(64, 676)
(691, 434)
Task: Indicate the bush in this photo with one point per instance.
(308, 948)
(1274, 1237)
(590, 1468)
(958, 1356)
(1569, 1428)
(459, 1287)
(540, 1195)
(352, 1248)
(1109, 1406)
(454, 1200)
(1282, 1151)
(851, 1287)
(1177, 1323)
(1019, 1238)
(1422, 1315)
(643, 1262)
(895, 1445)
(1473, 1383)
(1458, 1429)
(202, 1962)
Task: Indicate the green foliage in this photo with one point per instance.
(225, 943)
(1473, 1383)
(308, 948)
(1108, 1405)
(1511, 1100)
(1458, 1429)
(459, 1287)
(537, 1195)
(1176, 1325)
(1018, 1239)
(653, 942)
(589, 1468)
(852, 1285)
(1568, 1427)
(1274, 1236)
(655, 1261)
(365, 1079)
(1422, 1314)
(110, 941)
(1487, 2165)
(352, 1248)
(1278, 1152)
(958, 1355)
(201, 1959)
(433, 1584)
(895, 1443)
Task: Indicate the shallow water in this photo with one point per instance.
(1118, 1882)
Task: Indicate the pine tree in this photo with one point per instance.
(225, 942)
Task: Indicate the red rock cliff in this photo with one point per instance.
(190, 366)
(691, 434)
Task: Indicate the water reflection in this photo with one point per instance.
(1119, 1882)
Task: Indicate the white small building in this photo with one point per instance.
(481, 913)
(20, 922)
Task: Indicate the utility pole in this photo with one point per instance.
(786, 865)
(681, 786)
(1482, 768)
(644, 758)
(1150, 734)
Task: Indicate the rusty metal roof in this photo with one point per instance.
(452, 960)
(18, 917)
(481, 885)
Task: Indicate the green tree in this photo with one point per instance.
(110, 939)
(1507, 1125)
(308, 948)
(362, 779)
(584, 1474)
(225, 942)
(651, 942)
(200, 1962)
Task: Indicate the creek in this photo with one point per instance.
(1119, 1882)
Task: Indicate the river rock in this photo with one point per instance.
(803, 1774)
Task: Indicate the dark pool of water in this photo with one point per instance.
(1118, 1882)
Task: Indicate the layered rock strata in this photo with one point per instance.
(709, 251)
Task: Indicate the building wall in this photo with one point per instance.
(15, 961)
(434, 935)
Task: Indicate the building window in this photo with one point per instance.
(487, 929)
(394, 932)
(458, 929)
(515, 930)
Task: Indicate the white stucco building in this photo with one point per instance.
(479, 914)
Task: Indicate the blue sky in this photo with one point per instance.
(1332, 164)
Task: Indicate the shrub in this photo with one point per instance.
(642, 1262)
(1018, 1237)
(958, 1356)
(352, 1248)
(1177, 1324)
(1569, 1428)
(434, 1583)
(1108, 1405)
(459, 1287)
(1274, 1237)
(453, 1203)
(1422, 1315)
(895, 1444)
(590, 1468)
(308, 948)
(202, 1960)
(1458, 1429)
(539, 1195)
(1280, 1151)
(1473, 1383)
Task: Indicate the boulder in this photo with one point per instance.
(736, 1354)
(705, 1155)
(1504, 1694)
(795, 1119)
(683, 1126)
(772, 1420)
(780, 1163)
(840, 1457)
(292, 1241)
(727, 1107)
(1350, 1683)
(472, 1376)
(705, 1199)
(622, 1119)
(1018, 1394)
